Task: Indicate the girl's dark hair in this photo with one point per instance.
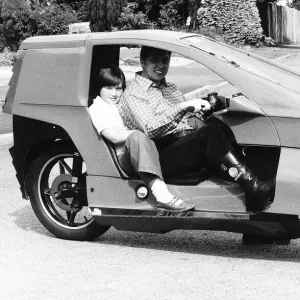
(110, 77)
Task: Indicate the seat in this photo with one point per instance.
(192, 178)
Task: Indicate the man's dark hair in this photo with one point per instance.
(148, 51)
(110, 77)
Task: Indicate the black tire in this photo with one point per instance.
(59, 217)
(252, 239)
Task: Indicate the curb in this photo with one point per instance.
(198, 93)
(284, 57)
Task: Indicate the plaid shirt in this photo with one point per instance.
(153, 109)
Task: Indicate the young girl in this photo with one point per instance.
(134, 149)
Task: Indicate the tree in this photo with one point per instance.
(19, 24)
(131, 19)
(295, 4)
(173, 14)
(104, 14)
(9, 7)
(238, 20)
(75, 5)
(83, 14)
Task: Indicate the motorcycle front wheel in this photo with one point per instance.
(66, 218)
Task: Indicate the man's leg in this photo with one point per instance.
(210, 143)
(204, 147)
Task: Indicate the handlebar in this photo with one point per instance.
(217, 104)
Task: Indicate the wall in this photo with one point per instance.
(284, 24)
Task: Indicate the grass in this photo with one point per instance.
(5, 119)
(6, 58)
(5, 123)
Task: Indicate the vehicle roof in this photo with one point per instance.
(78, 40)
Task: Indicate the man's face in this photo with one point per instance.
(156, 66)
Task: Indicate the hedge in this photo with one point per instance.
(238, 19)
(19, 25)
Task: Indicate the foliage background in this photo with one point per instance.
(238, 19)
(20, 19)
(235, 21)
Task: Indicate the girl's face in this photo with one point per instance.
(111, 94)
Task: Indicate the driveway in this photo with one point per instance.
(178, 265)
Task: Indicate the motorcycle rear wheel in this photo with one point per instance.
(52, 170)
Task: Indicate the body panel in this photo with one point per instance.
(77, 123)
(55, 77)
(51, 83)
(213, 194)
(288, 131)
(249, 123)
(287, 196)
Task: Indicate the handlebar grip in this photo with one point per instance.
(191, 109)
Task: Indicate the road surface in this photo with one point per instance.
(125, 265)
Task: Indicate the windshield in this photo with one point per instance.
(247, 61)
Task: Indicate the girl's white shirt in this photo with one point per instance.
(104, 116)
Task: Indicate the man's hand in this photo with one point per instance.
(199, 105)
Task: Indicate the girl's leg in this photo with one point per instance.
(144, 159)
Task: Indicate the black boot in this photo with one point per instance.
(259, 194)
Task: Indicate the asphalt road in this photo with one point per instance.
(125, 265)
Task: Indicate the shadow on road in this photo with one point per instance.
(204, 242)
(26, 220)
(195, 242)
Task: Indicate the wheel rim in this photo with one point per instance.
(62, 213)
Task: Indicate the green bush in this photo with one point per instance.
(21, 24)
(7, 58)
(14, 29)
(83, 13)
(238, 19)
(53, 19)
(129, 19)
(10, 56)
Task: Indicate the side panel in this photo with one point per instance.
(13, 82)
(249, 124)
(115, 193)
(288, 131)
(28, 146)
(77, 123)
(287, 200)
(53, 76)
(213, 194)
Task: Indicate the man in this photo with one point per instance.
(159, 109)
